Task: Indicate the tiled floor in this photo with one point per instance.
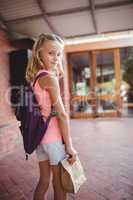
(105, 148)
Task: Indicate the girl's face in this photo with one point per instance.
(51, 54)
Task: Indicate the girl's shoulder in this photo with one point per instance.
(49, 80)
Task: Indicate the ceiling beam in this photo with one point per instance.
(114, 4)
(46, 17)
(72, 11)
(93, 33)
(93, 16)
(23, 19)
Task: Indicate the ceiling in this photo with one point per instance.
(69, 19)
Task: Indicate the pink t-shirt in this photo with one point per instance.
(53, 133)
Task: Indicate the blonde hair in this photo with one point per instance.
(35, 63)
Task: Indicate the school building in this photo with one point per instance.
(97, 84)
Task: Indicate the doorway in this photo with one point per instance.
(95, 81)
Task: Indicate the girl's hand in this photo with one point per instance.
(72, 154)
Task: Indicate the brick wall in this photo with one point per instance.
(9, 129)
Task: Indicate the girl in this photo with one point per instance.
(47, 56)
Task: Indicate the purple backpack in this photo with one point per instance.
(33, 126)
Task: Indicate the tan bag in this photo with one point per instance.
(72, 175)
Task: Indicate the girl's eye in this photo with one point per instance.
(51, 53)
(54, 53)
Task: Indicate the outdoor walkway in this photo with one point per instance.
(105, 147)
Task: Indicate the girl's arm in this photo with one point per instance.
(51, 84)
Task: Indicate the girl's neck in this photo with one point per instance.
(48, 70)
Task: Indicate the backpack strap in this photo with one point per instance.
(38, 76)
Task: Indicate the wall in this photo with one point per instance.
(9, 129)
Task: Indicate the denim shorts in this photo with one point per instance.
(54, 152)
